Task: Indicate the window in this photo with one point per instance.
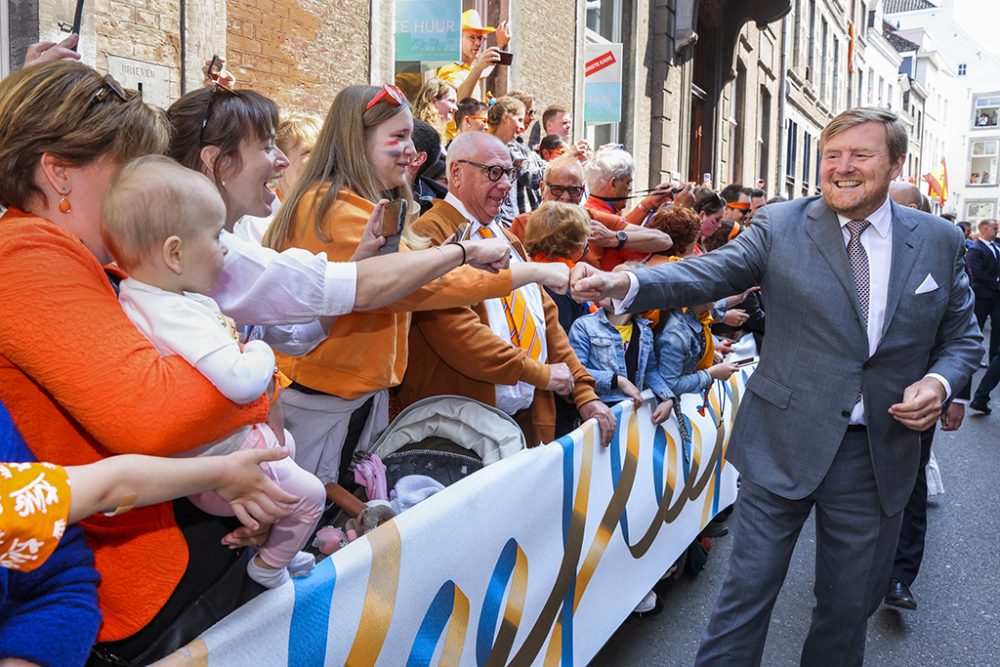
(836, 75)
(764, 142)
(793, 132)
(871, 83)
(824, 65)
(977, 210)
(812, 39)
(819, 161)
(797, 34)
(985, 111)
(888, 99)
(983, 162)
(807, 141)
(604, 25)
(4, 41)
(962, 69)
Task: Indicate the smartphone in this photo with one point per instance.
(214, 67)
(393, 218)
(506, 58)
(739, 363)
(77, 21)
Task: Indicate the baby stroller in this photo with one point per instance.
(430, 445)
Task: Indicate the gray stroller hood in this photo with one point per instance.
(446, 438)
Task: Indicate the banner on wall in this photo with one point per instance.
(429, 30)
(602, 83)
(534, 560)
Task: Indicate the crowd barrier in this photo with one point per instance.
(535, 560)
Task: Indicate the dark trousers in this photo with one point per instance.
(989, 308)
(910, 548)
(855, 541)
(991, 378)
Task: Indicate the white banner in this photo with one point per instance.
(534, 560)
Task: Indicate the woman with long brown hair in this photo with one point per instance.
(338, 398)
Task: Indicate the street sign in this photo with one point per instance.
(429, 30)
(602, 84)
(153, 80)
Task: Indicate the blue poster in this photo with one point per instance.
(429, 30)
(602, 83)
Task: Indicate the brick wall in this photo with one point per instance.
(299, 53)
(544, 43)
(147, 31)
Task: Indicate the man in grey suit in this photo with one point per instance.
(870, 327)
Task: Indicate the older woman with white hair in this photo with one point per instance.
(617, 236)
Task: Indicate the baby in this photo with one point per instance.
(161, 223)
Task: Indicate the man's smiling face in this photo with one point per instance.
(856, 170)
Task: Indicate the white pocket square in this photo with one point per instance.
(927, 286)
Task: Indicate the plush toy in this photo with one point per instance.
(330, 539)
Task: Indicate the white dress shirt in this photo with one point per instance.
(262, 286)
(509, 398)
(877, 242)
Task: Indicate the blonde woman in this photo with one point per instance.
(436, 104)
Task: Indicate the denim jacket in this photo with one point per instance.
(679, 347)
(599, 348)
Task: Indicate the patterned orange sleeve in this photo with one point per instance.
(34, 506)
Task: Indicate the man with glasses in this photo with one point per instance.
(476, 63)
(609, 176)
(510, 353)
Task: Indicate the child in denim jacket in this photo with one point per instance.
(680, 346)
(617, 351)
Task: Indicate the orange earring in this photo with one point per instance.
(64, 206)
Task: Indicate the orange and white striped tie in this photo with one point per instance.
(523, 331)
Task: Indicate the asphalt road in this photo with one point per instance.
(957, 591)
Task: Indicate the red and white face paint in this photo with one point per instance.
(390, 149)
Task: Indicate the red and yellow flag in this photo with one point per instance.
(937, 182)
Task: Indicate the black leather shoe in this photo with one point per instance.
(714, 529)
(899, 595)
(981, 407)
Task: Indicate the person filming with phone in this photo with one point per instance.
(477, 63)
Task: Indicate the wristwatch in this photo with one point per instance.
(622, 240)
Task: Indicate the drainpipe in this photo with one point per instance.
(183, 29)
(782, 112)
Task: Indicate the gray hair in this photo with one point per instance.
(607, 164)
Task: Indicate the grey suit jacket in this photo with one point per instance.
(799, 400)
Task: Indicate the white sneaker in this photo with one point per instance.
(647, 604)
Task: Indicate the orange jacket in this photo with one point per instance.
(82, 383)
(368, 351)
(455, 352)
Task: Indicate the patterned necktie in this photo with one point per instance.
(523, 331)
(859, 263)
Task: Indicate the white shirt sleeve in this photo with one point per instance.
(241, 376)
(947, 386)
(294, 339)
(621, 306)
(263, 286)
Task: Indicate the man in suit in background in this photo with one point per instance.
(984, 265)
(870, 328)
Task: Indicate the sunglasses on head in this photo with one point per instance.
(390, 94)
(110, 89)
(216, 88)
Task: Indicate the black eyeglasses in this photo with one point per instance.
(110, 89)
(573, 191)
(216, 87)
(495, 172)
